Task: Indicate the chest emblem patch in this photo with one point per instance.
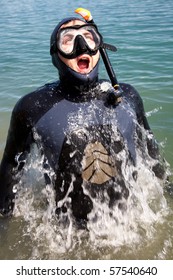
(97, 165)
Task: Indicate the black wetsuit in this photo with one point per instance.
(79, 135)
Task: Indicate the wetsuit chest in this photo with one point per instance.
(67, 118)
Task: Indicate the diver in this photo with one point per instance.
(81, 128)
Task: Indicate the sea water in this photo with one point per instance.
(143, 34)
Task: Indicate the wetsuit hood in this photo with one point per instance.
(69, 77)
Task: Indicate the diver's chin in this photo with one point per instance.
(84, 71)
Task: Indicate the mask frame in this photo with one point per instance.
(80, 45)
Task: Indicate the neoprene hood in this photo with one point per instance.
(67, 75)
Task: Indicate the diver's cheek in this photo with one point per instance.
(95, 59)
(72, 63)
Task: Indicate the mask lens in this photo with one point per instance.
(66, 37)
(66, 40)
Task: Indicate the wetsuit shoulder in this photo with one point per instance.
(129, 92)
(35, 104)
(132, 96)
(27, 111)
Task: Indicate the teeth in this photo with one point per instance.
(86, 59)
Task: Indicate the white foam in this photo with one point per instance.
(145, 209)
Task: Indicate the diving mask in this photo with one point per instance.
(73, 41)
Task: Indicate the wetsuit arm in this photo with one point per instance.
(15, 145)
(131, 95)
(141, 115)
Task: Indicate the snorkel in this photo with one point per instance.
(114, 97)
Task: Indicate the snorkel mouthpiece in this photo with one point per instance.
(113, 97)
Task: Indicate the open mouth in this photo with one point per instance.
(83, 63)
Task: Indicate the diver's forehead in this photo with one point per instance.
(72, 23)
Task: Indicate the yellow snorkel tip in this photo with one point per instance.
(84, 13)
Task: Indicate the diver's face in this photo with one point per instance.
(83, 63)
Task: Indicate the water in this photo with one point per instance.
(143, 34)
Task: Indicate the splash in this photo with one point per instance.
(145, 209)
(129, 224)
